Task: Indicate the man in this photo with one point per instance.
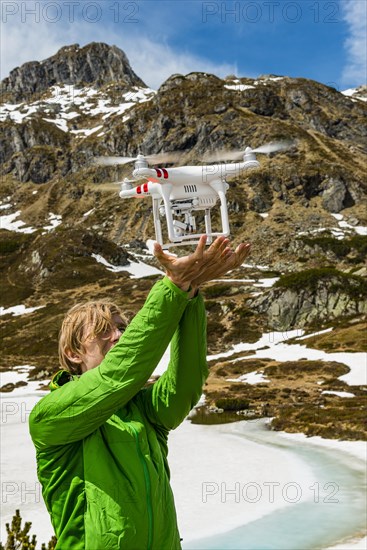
(100, 435)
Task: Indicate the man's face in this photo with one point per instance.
(96, 348)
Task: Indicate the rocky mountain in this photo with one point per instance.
(66, 236)
(94, 65)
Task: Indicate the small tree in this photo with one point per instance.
(51, 544)
(19, 537)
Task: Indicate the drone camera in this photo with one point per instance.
(181, 228)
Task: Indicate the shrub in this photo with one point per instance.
(19, 537)
(215, 291)
(6, 247)
(352, 285)
(339, 247)
(232, 403)
(10, 242)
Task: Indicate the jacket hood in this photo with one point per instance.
(61, 378)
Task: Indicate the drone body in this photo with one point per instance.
(180, 193)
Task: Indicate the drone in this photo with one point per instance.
(180, 193)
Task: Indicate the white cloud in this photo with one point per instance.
(154, 63)
(30, 36)
(27, 35)
(355, 15)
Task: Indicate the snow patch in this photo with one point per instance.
(88, 213)
(16, 374)
(239, 87)
(54, 220)
(252, 378)
(86, 131)
(253, 266)
(59, 122)
(267, 283)
(352, 544)
(315, 334)
(354, 93)
(344, 229)
(276, 347)
(18, 310)
(11, 223)
(67, 98)
(338, 393)
(136, 269)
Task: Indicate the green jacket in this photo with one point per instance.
(101, 438)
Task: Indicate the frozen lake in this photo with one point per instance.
(284, 492)
(236, 485)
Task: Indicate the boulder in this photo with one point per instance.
(334, 195)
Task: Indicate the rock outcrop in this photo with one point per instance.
(312, 297)
(95, 64)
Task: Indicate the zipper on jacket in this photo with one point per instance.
(147, 486)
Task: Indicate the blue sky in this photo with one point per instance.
(324, 40)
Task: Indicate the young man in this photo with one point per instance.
(100, 435)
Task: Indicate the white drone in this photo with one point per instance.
(179, 193)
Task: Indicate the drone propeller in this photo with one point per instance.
(110, 186)
(273, 147)
(268, 148)
(113, 185)
(160, 158)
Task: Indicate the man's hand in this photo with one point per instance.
(227, 261)
(203, 265)
(182, 270)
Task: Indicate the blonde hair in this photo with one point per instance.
(81, 322)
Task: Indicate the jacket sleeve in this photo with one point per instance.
(169, 400)
(79, 407)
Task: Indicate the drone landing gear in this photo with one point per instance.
(180, 212)
(183, 231)
(208, 225)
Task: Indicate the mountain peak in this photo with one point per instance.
(95, 64)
